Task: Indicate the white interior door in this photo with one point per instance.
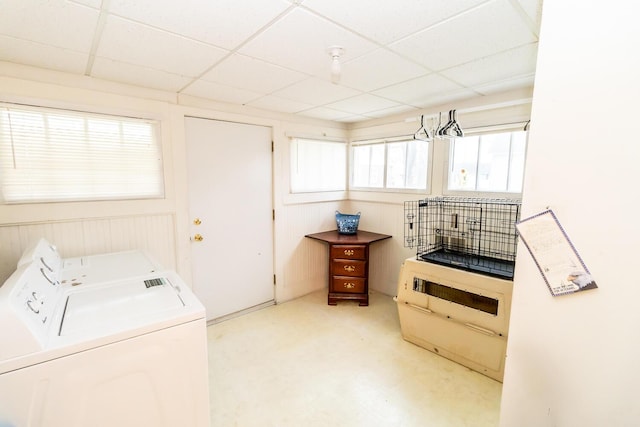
(230, 203)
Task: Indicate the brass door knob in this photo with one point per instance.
(198, 238)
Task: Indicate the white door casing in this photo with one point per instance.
(230, 206)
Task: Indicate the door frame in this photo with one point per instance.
(183, 220)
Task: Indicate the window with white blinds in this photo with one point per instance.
(49, 155)
(317, 165)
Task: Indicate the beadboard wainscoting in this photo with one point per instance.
(386, 257)
(305, 261)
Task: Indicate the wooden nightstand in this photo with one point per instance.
(348, 264)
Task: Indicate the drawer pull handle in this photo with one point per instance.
(349, 285)
(348, 252)
(349, 268)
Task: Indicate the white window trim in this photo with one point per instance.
(114, 105)
(290, 198)
(85, 117)
(384, 193)
(509, 127)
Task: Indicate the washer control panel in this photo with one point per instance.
(35, 296)
(29, 299)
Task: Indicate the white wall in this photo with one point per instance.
(160, 226)
(384, 212)
(300, 263)
(573, 360)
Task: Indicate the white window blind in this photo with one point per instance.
(317, 165)
(49, 155)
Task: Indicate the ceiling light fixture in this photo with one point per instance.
(336, 67)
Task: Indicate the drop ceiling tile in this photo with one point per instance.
(353, 119)
(447, 97)
(108, 69)
(506, 85)
(377, 69)
(515, 62)
(325, 113)
(391, 111)
(270, 102)
(137, 44)
(223, 23)
(21, 51)
(219, 92)
(417, 91)
(252, 74)
(533, 9)
(316, 92)
(440, 51)
(56, 22)
(483, 31)
(387, 21)
(362, 104)
(96, 4)
(299, 41)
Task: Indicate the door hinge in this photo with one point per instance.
(274, 280)
(273, 214)
(272, 146)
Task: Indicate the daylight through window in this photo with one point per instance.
(488, 162)
(400, 164)
(49, 155)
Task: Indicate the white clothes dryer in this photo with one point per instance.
(123, 351)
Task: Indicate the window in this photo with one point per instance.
(400, 164)
(488, 162)
(51, 155)
(317, 165)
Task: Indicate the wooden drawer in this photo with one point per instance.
(347, 252)
(348, 264)
(344, 267)
(348, 284)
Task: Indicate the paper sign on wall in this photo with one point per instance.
(554, 254)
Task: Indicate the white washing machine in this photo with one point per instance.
(87, 270)
(97, 345)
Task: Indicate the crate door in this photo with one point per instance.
(230, 204)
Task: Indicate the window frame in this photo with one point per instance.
(85, 117)
(292, 142)
(482, 193)
(384, 189)
(290, 197)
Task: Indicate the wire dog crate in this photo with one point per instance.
(468, 233)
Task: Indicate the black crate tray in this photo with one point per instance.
(475, 263)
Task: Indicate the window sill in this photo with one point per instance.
(482, 194)
(386, 196)
(315, 197)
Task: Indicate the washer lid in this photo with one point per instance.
(108, 267)
(119, 305)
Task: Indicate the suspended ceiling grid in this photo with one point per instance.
(399, 56)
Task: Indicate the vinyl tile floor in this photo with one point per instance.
(304, 363)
